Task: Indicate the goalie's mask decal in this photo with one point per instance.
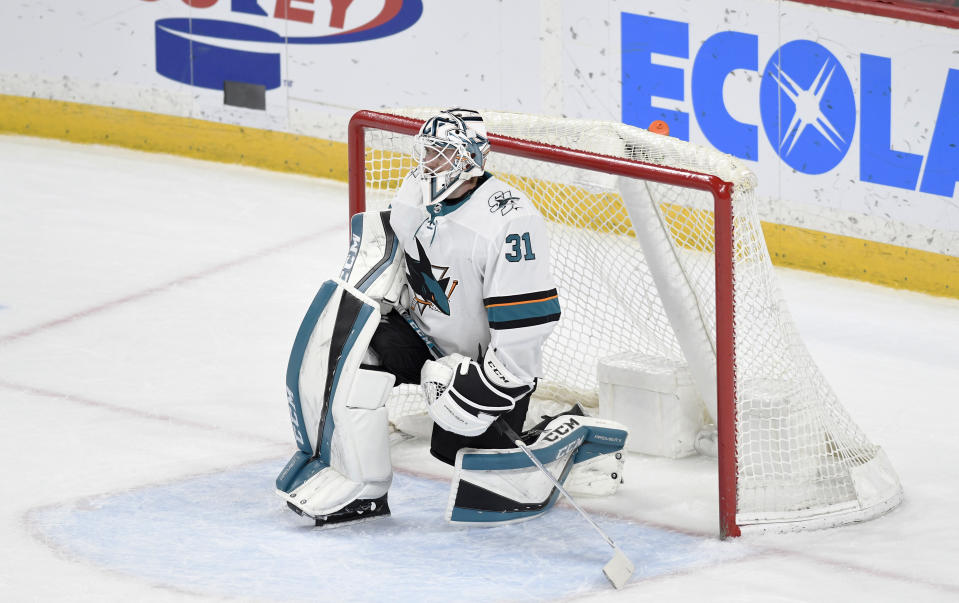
(449, 149)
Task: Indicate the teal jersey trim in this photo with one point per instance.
(523, 311)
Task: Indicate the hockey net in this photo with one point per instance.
(635, 260)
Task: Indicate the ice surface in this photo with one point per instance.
(147, 306)
(175, 534)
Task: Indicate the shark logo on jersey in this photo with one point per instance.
(429, 282)
(503, 202)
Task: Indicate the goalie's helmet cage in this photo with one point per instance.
(449, 149)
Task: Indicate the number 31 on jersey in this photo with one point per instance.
(520, 247)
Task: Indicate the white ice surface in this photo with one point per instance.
(147, 307)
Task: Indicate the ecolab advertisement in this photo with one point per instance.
(850, 121)
(807, 104)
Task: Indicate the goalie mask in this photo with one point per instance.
(449, 149)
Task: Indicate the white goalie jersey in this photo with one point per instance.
(479, 273)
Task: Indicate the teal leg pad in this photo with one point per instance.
(298, 469)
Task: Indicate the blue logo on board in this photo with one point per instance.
(808, 107)
(807, 103)
(207, 52)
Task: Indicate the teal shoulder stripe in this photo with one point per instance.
(522, 311)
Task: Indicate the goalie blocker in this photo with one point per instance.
(465, 397)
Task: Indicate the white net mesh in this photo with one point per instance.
(801, 459)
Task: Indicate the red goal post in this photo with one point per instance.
(721, 192)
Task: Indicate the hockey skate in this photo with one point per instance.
(356, 511)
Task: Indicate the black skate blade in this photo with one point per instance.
(322, 524)
(356, 511)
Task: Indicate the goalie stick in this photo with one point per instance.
(619, 569)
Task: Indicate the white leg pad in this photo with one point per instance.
(361, 444)
(598, 476)
(360, 466)
(324, 493)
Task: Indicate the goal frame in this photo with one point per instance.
(722, 193)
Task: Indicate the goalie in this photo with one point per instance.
(451, 288)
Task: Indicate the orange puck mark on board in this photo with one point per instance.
(659, 127)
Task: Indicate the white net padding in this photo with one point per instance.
(635, 270)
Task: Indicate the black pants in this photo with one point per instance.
(403, 353)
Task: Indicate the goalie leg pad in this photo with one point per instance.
(597, 472)
(493, 487)
(361, 446)
(337, 409)
(358, 472)
(374, 264)
(599, 475)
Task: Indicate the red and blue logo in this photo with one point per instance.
(208, 52)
